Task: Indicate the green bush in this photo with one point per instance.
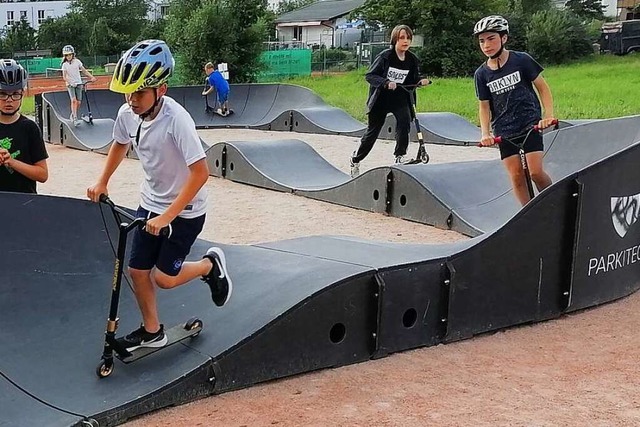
(449, 55)
(556, 36)
(330, 55)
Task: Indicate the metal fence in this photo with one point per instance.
(39, 66)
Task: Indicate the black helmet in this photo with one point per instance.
(13, 76)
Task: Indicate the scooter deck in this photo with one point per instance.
(230, 112)
(211, 110)
(174, 335)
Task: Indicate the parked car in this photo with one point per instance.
(620, 37)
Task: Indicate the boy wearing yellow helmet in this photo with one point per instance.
(164, 136)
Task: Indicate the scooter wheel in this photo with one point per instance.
(193, 323)
(425, 158)
(104, 369)
(90, 422)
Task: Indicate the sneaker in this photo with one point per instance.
(399, 160)
(141, 338)
(219, 111)
(355, 168)
(218, 277)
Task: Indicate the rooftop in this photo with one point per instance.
(321, 11)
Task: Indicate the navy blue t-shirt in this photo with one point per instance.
(514, 104)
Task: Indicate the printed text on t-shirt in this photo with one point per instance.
(396, 75)
(504, 84)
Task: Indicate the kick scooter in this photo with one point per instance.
(112, 347)
(521, 153)
(214, 110)
(87, 118)
(422, 156)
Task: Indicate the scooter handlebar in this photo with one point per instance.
(496, 140)
(164, 232)
(536, 128)
(553, 123)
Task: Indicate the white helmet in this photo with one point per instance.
(493, 23)
(68, 49)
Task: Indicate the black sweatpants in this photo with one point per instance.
(377, 117)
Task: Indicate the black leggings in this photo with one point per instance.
(377, 117)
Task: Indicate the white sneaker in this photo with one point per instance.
(355, 168)
(399, 160)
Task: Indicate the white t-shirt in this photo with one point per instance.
(73, 72)
(168, 145)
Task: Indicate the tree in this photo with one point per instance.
(447, 26)
(20, 36)
(69, 29)
(153, 29)
(555, 36)
(203, 30)
(100, 37)
(121, 22)
(527, 8)
(586, 9)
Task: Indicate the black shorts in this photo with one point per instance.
(165, 253)
(534, 143)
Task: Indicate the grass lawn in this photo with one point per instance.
(28, 105)
(600, 87)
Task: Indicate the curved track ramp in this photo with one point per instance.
(302, 304)
(469, 197)
(59, 129)
(279, 107)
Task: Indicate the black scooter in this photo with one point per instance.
(521, 153)
(214, 110)
(112, 347)
(421, 156)
(87, 118)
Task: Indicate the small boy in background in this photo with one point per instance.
(218, 83)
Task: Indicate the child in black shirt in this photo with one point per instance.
(392, 67)
(23, 158)
(509, 105)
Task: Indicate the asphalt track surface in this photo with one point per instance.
(317, 302)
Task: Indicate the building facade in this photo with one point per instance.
(35, 12)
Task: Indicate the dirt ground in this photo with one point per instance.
(47, 84)
(579, 370)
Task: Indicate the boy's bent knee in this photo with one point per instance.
(163, 280)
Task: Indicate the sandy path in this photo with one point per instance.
(580, 370)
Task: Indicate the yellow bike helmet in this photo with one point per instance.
(147, 64)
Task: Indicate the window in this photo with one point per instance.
(23, 14)
(10, 19)
(297, 33)
(164, 10)
(41, 17)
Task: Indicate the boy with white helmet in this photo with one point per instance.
(509, 105)
(72, 68)
(163, 134)
(23, 157)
